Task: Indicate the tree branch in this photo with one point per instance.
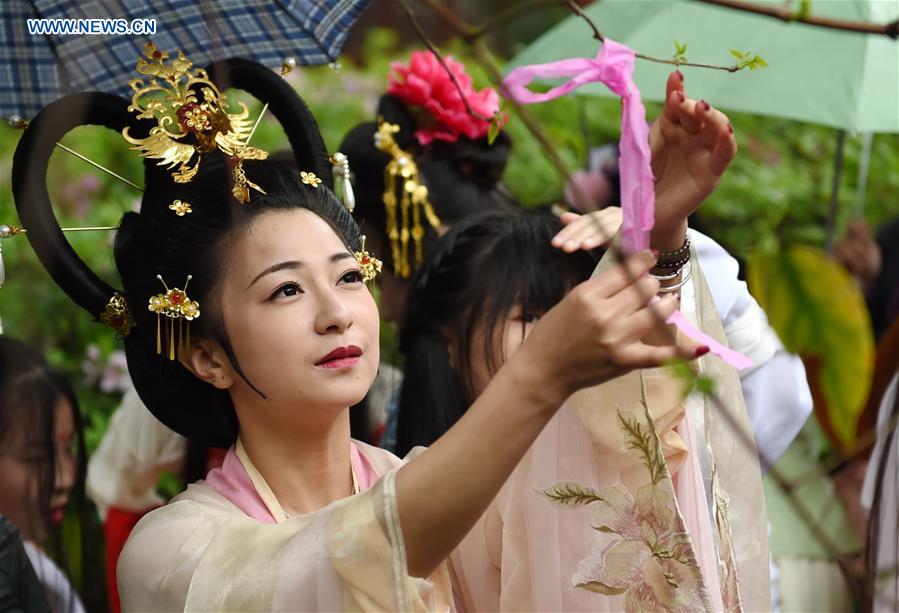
(516, 9)
(577, 10)
(785, 14)
(413, 21)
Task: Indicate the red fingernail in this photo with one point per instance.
(701, 351)
(730, 128)
(705, 105)
(679, 74)
(680, 96)
(655, 253)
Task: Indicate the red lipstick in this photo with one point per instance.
(342, 357)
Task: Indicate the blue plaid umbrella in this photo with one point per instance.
(39, 67)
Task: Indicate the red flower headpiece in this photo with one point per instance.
(425, 83)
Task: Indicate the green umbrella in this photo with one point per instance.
(841, 79)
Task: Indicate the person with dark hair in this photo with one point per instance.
(438, 149)
(41, 461)
(489, 281)
(486, 285)
(873, 260)
(248, 325)
(452, 157)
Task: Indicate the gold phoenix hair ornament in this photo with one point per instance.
(413, 201)
(174, 304)
(187, 126)
(371, 266)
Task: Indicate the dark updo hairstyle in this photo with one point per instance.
(30, 391)
(463, 177)
(477, 273)
(157, 242)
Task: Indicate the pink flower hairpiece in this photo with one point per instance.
(425, 84)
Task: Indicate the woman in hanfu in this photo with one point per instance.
(248, 325)
(636, 496)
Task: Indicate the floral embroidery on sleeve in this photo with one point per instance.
(647, 554)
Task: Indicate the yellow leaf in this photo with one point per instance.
(817, 310)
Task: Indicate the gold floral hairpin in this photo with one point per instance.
(413, 201)
(181, 207)
(371, 266)
(309, 178)
(187, 127)
(174, 304)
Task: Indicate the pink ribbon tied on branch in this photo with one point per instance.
(614, 67)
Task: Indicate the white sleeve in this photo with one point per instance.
(136, 448)
(775, 388)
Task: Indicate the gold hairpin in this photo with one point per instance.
(174, 304)
(309, 178)
(186, 126)
(117, 315)
(341, 164)
(181, 207)
(371, 266)
(414, 200)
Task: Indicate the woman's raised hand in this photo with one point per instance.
(599, 331)
(692, 145)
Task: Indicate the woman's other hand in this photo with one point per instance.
(587, 231)
(600, 331)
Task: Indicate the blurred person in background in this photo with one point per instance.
(42, 458)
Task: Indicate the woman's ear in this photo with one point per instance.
(451, 352)
(207, 361)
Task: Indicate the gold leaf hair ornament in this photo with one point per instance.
(402, 172)
(186, 126)
(174, 304)
(371, 266)
(341, 164)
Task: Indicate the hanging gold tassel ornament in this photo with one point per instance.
(413, 200)
(174, 304)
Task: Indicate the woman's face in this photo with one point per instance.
(24, 457)
(507, 338)
(302, 324)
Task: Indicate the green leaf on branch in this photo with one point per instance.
(805, 9)
(499, 119)
(818, 312)
(680, 52)
(749, 60)
(690, 378)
